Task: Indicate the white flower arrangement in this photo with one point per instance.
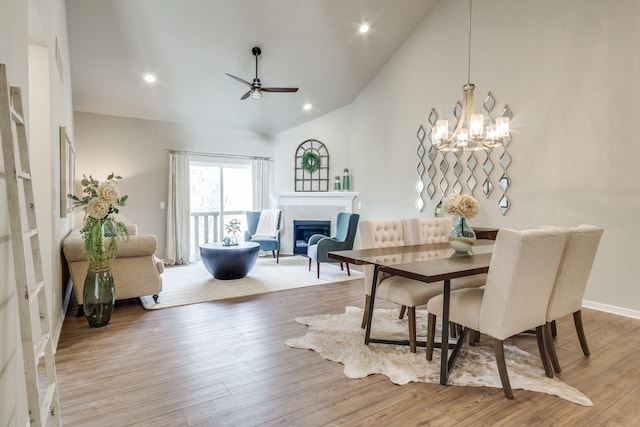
(100, 202)
(462, 205)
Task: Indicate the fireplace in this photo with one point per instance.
(303, 229)
(308, 206)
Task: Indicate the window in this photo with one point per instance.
(219, 192)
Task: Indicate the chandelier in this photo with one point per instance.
(471, 132)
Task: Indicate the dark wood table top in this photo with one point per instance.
(402, 255)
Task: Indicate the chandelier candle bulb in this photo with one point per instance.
(475, 125)
(502, 127)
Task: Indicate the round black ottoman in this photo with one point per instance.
(229, 262)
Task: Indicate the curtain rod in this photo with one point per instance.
(225, 156)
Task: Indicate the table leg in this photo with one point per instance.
(367, 334)
(444, 346)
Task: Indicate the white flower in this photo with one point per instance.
(461, 204)
(97, 208)
(108, 192)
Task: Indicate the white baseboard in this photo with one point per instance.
(621, 311)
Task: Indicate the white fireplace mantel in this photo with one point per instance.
(343, 199)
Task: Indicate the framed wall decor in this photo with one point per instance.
(311, 166)
(67, 172)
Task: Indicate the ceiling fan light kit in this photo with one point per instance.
(256, 89)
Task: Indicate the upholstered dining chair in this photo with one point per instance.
(263, 227)
(571, 281)
(320, 245)
(515, 297)
(407, 292)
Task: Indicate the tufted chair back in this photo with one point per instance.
(428, 230)
(380, 233)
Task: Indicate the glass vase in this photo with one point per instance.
(462, 237)
(98, 296)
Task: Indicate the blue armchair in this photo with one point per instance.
(320, 245)
(269, 241)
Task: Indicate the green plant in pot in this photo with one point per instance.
(100, 203)
(233, 228)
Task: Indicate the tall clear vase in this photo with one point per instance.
(462, 237)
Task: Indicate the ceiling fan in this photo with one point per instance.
(256, 87)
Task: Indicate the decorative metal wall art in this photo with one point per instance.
(311, 167)
(465, 174)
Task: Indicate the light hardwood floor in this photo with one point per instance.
(225, 364)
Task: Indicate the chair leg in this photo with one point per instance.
(551, 349)
(80, 311)
(318, 268)
(502, 367)
(453, 331)
(367, 300)
(341, 267)
(412, 329)
(540, 336)
(431, 331)
(403, 310)
(474, 337)
(577, 320)
(309, 264)
(273, 253)
(554, 331)
(348, 271)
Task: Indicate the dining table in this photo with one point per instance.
(429, 263)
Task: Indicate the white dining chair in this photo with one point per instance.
(571, 281)
(515, 298)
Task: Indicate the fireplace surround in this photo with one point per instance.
(321, 205)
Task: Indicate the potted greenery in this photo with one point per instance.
(232, 228)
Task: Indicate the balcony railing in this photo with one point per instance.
(206, 227)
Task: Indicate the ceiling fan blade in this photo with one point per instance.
(246, 95)
(279, 89)
(240, 80)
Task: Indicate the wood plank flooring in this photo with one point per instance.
(225, 364)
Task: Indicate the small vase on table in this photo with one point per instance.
(462, 237)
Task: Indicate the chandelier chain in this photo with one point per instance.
(469, 54)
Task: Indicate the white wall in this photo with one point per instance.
(332, 129)
(137, 150)
(21, 24)
(566, 69)
(12, 390)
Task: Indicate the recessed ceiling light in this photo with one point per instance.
(364, 28)
(149, 78)
(307, 106)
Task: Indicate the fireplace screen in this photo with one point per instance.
(302, 230)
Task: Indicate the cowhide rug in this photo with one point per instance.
(339, 338)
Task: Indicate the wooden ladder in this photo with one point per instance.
(27, 259)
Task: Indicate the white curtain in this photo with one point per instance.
(261, 178)
(178, 215)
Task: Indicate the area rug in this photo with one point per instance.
(339, 338)
(192, 283)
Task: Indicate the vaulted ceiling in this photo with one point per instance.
(314, 45)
